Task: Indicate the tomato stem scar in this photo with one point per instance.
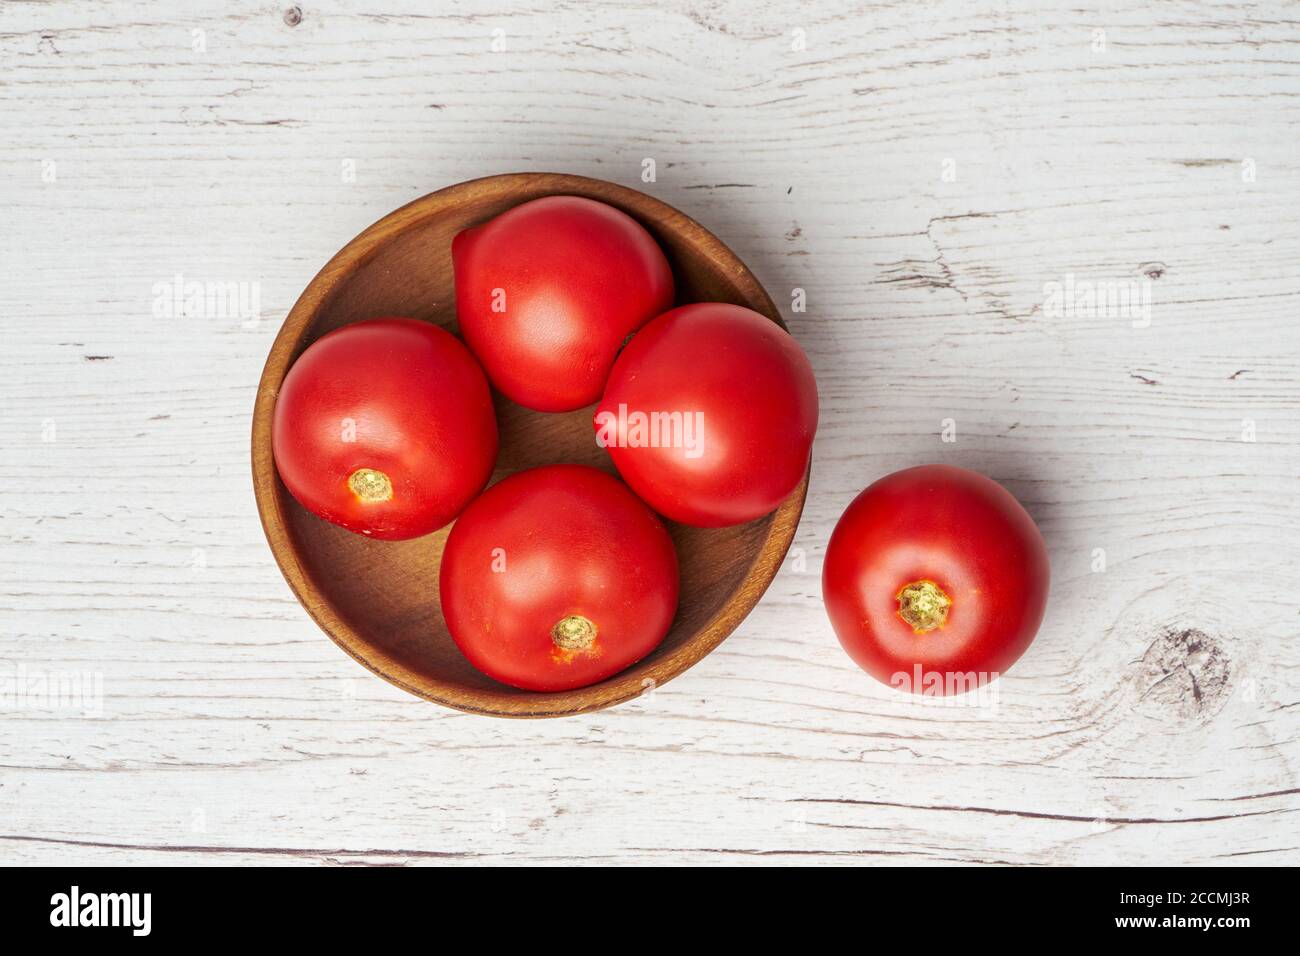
(924, 605)
(370, 485)
(573, 633)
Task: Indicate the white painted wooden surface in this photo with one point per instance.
(923, 170)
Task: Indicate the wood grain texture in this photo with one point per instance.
(376, 599)
(923, 172)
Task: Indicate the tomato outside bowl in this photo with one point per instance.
(378, 600)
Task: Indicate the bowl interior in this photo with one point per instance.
(378, 599)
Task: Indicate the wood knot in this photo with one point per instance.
(1184, 675)
(293, 16)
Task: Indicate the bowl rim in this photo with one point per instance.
(271, 495)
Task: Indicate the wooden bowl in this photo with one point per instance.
(378, 600)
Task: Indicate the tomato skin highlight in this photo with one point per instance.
(750, 390)
(947, 531)
(542, 549)
(547, 292)
(389, 407)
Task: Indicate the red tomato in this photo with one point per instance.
(556, 578)
(385, 427)
(709, 414)
(547, 292)
(935, 579)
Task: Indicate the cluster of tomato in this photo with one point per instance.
(560, 576)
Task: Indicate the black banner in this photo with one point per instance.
(135, 906)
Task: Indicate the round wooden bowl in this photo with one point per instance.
(378, 600)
